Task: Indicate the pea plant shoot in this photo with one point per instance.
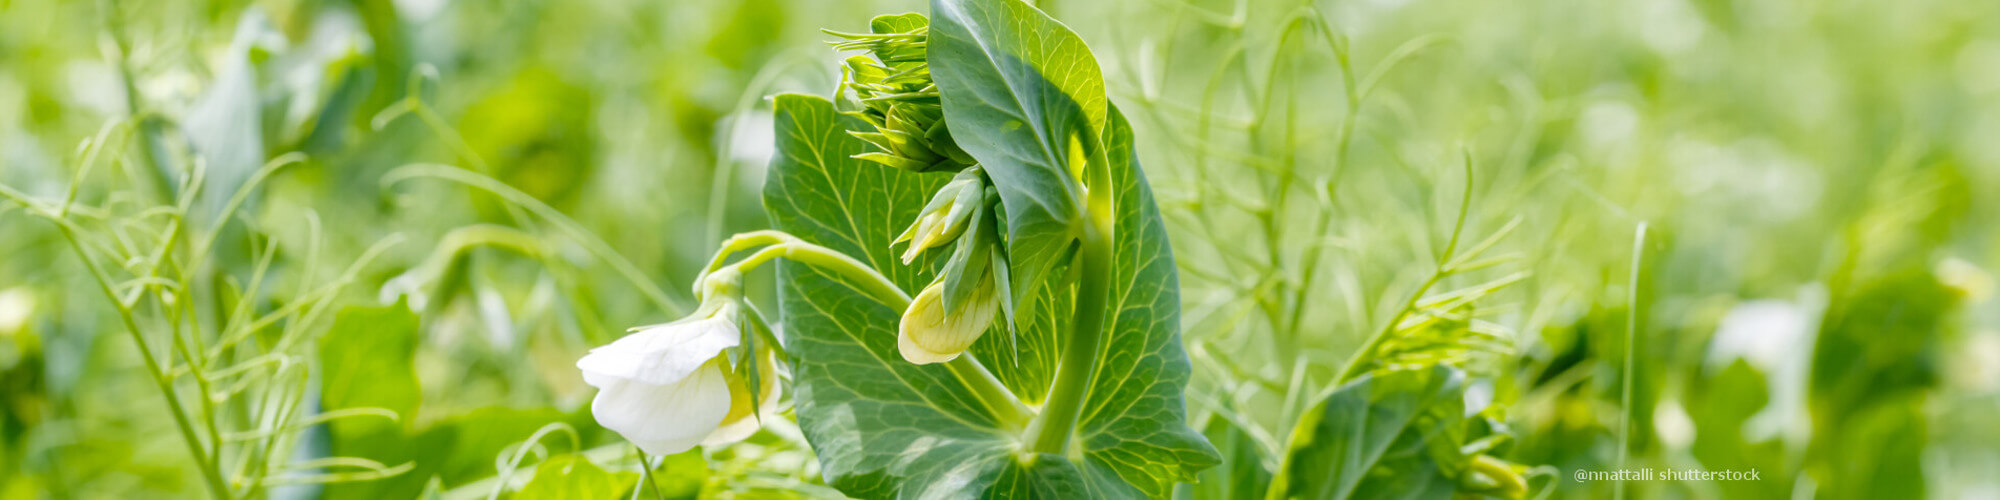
(1024, 339)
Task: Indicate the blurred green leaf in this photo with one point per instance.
(1720, 406)
(225, 125)
(1873, 368)
(573, 477)
(1240, 475)
(1388, 434)
(367, 361)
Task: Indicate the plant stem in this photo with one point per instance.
(216, 484)
(1002, 402)
(1444, 267)
(1631, 335)
(1050, 431)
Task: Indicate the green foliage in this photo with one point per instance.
(573, 477)
(1028, 102)
(883, 427)
(1242, 472)
(368, 361)
(1873, 368)
(210, 210)
(1389, 434)
(1724, 403)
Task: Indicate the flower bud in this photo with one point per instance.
(946, 216)
(929, 334)
(891, 89)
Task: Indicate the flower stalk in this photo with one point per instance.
(1003, 404)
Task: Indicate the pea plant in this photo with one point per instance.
(977, 297)
(1024, 341)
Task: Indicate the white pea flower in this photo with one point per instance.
(739, 424)
(928, 335)
(668, 388)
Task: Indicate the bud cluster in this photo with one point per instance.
(947, 316)
(891, 89)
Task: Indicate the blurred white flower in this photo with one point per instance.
(1776, 337)
(1967, 278)
(929, 335)
(667, 388)
(16, 306)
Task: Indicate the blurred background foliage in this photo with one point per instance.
(1815, 298)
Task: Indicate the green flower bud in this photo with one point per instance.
(945, 218)
(929, 333)
(891, 89)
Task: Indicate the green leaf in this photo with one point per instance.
(1720, 405)
(1389, 434)
(456, 451)
(571, 476)
(1021, 93)
(1135, 420)
(897, 23)
(1242, 473)
(818, 192)
(1874, 364)
(883, 427)
(367, 361)
(225, 125)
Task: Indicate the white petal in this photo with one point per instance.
(662, 354)
(664, 419)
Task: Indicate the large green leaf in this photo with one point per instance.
(883, 427)
(875, 420)
(1391, 434)
(1135, 421)
(1022, 94)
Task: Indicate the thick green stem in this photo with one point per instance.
(1050, 431)
(990, 391)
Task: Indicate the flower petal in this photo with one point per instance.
(663, 354)
(740, 424)
(664, 419)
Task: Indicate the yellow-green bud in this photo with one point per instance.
(929, 334)
(946, 216)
